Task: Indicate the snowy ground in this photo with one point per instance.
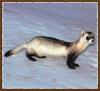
(23, 21)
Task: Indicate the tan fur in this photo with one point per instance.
(81, 47)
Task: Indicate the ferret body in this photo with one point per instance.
(42, 47)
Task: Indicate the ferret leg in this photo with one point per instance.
(77, 65)
(71, 61)
(30, 56)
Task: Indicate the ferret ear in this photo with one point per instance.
(82, 33)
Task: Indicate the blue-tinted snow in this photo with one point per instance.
(23, 21)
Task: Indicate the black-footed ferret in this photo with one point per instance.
(42, 47)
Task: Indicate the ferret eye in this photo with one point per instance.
(92, 37)
(87, 38)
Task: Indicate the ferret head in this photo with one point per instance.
(88, 37)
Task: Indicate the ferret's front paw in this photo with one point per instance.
(77, 65)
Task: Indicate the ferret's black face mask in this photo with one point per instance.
(90, 37)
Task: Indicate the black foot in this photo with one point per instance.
(32, 59)
(71, 66)
(77, 65)
(29, 56)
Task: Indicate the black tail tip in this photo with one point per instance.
(7, 54)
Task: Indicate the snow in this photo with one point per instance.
(65, 21)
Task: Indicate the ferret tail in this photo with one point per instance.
(15, 50)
